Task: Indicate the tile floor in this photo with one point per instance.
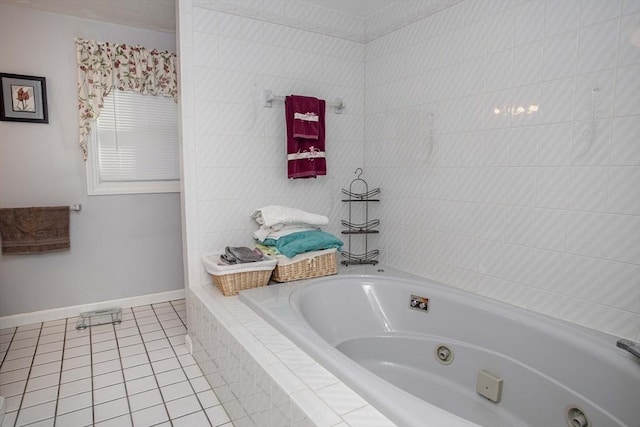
(137, 373)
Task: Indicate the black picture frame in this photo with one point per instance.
(23, 98)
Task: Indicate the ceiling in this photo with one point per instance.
(359, 8)
(357, 20)
(159, 15)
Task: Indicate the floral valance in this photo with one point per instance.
(103, 66)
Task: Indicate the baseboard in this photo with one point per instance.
(72, 311)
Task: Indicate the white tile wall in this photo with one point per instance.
(235, 148)
(553, 196)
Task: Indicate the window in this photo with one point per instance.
(134, 146)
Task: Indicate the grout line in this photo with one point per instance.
(26, 383)
(181, 367)
(93, 416)
(13, 335)
(64, 346)
(144, 344)
(124, 381)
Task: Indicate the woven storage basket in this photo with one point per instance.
(312, 266)
(231, 279)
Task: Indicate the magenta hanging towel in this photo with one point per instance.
(305, 137)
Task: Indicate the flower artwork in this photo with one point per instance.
(23, 99)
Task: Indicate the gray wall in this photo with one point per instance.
(121, 246)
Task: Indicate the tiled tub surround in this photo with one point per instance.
(510, 206)
(505, 137)
(261, 377)
(528, 209)
(137, 373)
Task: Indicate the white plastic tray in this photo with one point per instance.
(211, 261)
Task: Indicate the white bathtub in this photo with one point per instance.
(363, 330)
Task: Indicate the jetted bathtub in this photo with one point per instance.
(457, 359)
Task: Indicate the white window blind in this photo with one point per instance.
(135, 145)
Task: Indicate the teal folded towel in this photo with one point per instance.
(304, 241)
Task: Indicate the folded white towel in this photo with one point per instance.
(274, 215)
(276, 232)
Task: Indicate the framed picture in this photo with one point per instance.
(23, 98)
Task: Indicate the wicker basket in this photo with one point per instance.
(231, 279)
(308, 267)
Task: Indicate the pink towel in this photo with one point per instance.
(305, 157)
(306, 116)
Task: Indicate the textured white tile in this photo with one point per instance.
(495, 185)
(523, 146)
(519, 225)
(552, 187)
(560, 55)
(496, 148)
(315, 408)
(205, 49)
(527, 64)
(614, 321)
(550, 229)
(628, 52)
(491, 259)
(584, 233)
(500, 31)
(493, 222)
(517, 266)
(623, 190)
(628, 84)
(624, 147)
(529, 22)
(621, 238)
(548, 270)
(620, 286)
(591, 142)
(588, 188)
(630, 6)
(556, 103)
(594, 11)
(595, 50)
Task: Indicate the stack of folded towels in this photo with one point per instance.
(290, 231)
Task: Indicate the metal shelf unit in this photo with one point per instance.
(359, 194)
